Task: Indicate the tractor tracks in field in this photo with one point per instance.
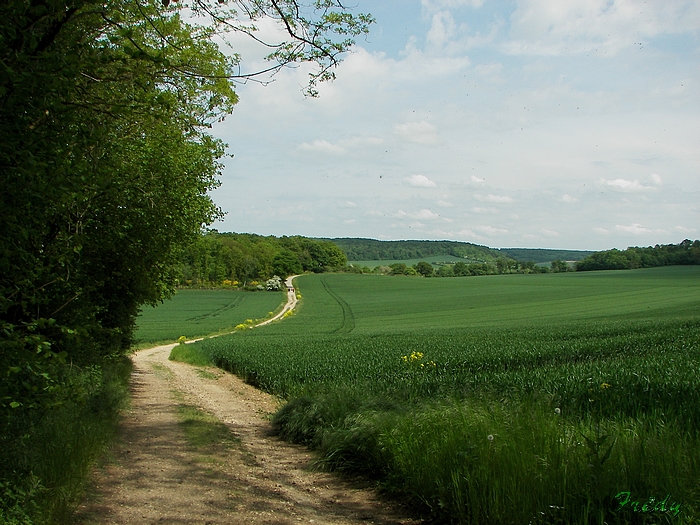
(235, 302)
(348, 324)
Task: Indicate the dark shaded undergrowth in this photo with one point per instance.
(48, 451)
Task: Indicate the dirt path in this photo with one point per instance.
(155, 476)
(291, 301)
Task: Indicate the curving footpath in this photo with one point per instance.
(154, 475)
(291, 301)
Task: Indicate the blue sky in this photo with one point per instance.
(530, 123)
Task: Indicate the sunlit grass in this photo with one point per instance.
(197, 313)
(203, 430)
(501, 399)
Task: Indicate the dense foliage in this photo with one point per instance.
(105, 169)
(374, 250)
(687, 252)
(541, 255)
(458, 268)
(240, 258)
(456, 394)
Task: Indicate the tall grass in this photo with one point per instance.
(48, 463)
(557, 420)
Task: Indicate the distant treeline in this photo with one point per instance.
(462, 269)
(237, 259)
(542, 255)
(687, 252)
(374, 250)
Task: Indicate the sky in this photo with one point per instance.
(523, 123)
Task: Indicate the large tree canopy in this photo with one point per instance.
(105, 159)
(105, 163)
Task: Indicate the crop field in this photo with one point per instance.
(557, 398)
(379, 304)
(196, 313)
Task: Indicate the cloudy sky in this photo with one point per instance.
(523, 123)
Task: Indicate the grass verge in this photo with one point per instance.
(45, 470)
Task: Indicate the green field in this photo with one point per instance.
(196, 313)
(380, 304)
(496, 399)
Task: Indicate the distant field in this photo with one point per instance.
(434, 260)
(458, 393)
(388, 304)
(195, 313)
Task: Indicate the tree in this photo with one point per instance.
(397, 268)
(273, 284)
(105, 169)
(425, 269)
(286, 263)
(445, 271)
(461, 269)
(559, 266)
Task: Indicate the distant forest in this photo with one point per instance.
(374, 250)
(240, 259)
(687, 252)
(540, 255)
(244, 260)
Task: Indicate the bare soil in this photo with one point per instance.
(154, 475)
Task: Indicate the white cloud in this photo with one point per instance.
(435, 5)
(635, 229)
(550, 233)
(491, 230)
(420, 181)
(424, 110)
(322, 146)
(467, 234)
(422, 215)
(543, 27)
(480, 209)
(491, 71)
(349, 221)
(418, 132)
(442, 30)
(683, 229)
(497, 199)
(625, 185)
(359, 142)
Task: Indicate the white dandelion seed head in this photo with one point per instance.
(557, 410)
(490, 437)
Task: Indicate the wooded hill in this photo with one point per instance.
(374, 250)
(244, 259)
(542, 255)
(686, 252)
(238, 259)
